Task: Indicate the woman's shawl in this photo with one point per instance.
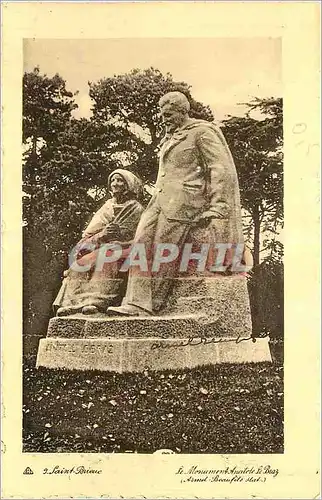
(125, 216)
(102, 218)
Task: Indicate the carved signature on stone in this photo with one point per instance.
(194, 341)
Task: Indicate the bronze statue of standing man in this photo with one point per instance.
(197, 184)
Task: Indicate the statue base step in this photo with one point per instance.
(80, 326)
(140, 354)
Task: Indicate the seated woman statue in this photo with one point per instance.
(94, 289)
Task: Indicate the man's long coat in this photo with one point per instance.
(197, 174)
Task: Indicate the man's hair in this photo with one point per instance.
(176, 100)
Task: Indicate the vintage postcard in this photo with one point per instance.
(160, 196)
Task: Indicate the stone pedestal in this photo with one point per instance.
(207, 321)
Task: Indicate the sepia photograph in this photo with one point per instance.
(160, 195)
(152, 221)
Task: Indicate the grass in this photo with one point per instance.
(213, 409)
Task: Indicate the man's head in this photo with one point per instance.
(174, 108)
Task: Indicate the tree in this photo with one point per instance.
(57, 173)
(129, 102)
(47, 106)
(266, 291)
(47, 109)
(256, 146)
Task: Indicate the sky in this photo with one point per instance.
(221, 71)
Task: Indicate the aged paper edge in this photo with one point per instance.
(152, 476)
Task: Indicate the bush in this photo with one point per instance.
(266, 290)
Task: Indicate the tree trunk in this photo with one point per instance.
(257, 226)
(34, 147)
(255, 302)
